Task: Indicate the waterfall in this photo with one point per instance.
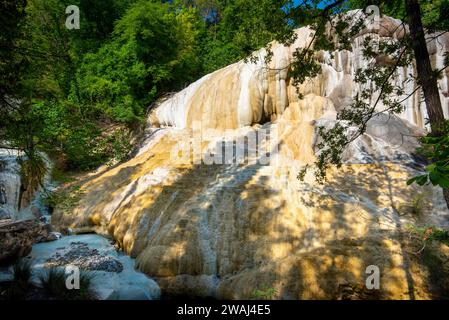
(11, 189)
(10, 183)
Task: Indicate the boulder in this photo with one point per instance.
(17, 238)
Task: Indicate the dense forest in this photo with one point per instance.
(81, 91)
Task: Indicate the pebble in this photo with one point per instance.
(79, 254)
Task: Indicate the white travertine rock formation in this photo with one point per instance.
(246, 93)
(227, 230)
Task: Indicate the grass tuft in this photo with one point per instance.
(54, 283)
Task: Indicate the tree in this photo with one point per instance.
(236, 28)
(39, 58)
(11, 64)
(16, 128)
(401, 51)
(427, 77)
(153, 50)
(428, 80)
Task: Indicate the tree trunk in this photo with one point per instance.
(426, 75)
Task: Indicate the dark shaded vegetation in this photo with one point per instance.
(19, 287)
(53, 285)
(79, 94)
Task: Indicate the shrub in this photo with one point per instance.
(416, 206)
(22, 272)
(19, 287)
(265, 293)
(32, 171)
(430, 234)
(64, 199)
(54, 283)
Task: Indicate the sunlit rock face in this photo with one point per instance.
(246, 93)
(225, 229)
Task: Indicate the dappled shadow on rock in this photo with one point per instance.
(246, 231)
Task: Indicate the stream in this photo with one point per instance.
(113, 274)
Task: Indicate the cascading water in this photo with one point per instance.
(11, 189)
(10, 183)
(37, 207)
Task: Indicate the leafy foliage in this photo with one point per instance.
(265, 293)
(127, 74)
(436, 149)
(434, 13)
(63, 90)
(54, 283)
(236, 28)
(11, 65)
(64, 199)
(378, 80)
(430, 234)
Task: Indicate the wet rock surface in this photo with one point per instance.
(113, 274)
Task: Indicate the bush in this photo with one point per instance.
(153, 50)
(22, 272)
(54, 283)
(416, 206)
(32, 171)
(64, 199)
(265, 293)
(18, 289)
